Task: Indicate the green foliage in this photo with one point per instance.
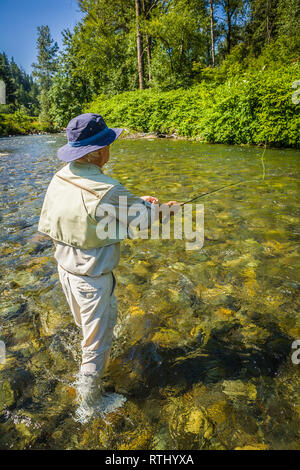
(255, 108)
(7, 108)
(46, 64)
(233, 16)
(45, 69)
(249, 108)
(245, 98)
(179, 34)
(20, 123)
(103, 46)
(263, 25)
(21, 90)
(66, 97)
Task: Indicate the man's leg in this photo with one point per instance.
(95, 300)
(65, 283)
(98, 313)
(94, 307)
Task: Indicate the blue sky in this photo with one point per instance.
(19, 20)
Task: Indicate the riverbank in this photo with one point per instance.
(21, 124)
(255, 108)
(131, 134)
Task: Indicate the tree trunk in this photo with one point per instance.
(228, 36)
(148, 45)
(148, 56)
(212, 32)
(268, 31)
(139, 42)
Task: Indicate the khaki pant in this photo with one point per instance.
(94, 308)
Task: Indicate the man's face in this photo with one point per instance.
(102, 156)
(105, 154)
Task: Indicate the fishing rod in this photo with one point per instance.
(223, 188)
(230, 185)
(215, 191)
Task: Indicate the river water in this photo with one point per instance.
(203, 348)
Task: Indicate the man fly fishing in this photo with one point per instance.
(72, 209)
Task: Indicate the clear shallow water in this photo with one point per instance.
(203, 348)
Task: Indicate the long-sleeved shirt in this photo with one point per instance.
(99, 260)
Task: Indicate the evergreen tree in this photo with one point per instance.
(6, 76)
(45, 68)
(71, 87)
(233, 16)
(21, 90)
(139, 42)
(288, 15)
(263, 23)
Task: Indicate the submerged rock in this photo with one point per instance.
(7, 395)
(214, 296)
(217, 412)
(253, 447)
(141, 268)
(167, 338)
(236, 388)
(15, 386)
(21, 430)
(188, 421)
(253, 334)
(162, 439)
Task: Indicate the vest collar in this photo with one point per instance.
(79, 168)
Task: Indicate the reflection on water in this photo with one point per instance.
(203, 341)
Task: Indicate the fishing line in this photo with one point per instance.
(216, 190)
(263, 162)
(167, 217)
(234, 184)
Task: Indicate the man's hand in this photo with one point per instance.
(151, 199)
(172, 203)
(174, 211)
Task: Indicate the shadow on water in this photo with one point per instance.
(222, 358)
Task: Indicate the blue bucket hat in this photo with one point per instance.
(86, 133)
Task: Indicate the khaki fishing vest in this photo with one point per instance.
(69, 210)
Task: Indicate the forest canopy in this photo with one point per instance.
(21, 89)
(133, 46)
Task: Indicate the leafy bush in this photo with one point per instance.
(251, 108)
(7, 108)
(20, 123)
